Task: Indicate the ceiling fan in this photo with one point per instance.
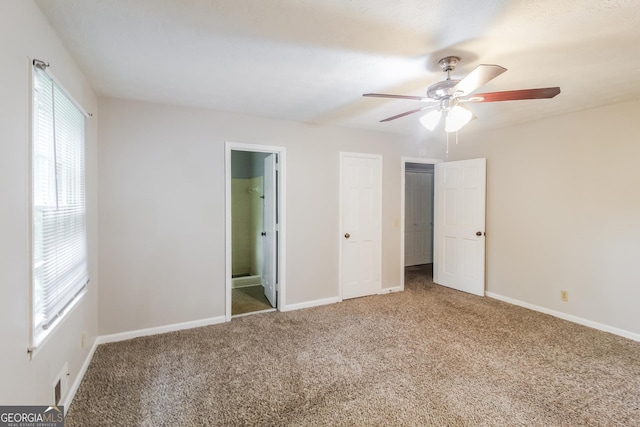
(448, 96)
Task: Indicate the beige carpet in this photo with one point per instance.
(429, 356)
(248, 299)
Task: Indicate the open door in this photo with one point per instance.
(269, 237)
(459, 243)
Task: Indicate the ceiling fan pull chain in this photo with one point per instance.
(447, 153)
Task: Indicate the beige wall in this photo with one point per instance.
(563, 212)
(162, 222)
(24, 34)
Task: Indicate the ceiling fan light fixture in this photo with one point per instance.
(448, 93)
(457, 117)
(431, 119)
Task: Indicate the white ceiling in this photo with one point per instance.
(311, 60)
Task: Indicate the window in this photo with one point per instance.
(59, 252)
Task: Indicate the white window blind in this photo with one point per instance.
(58, 209)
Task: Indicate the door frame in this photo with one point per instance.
(281, 226)
(403, 165)
(378, 157)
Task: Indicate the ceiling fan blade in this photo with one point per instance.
(514, 95)
(406, 113)
(481, 75)
(384, 95)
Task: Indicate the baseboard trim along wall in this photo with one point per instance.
(569, 317)
(159, 330)
(389, 290)
(76, 383)
(309, 304)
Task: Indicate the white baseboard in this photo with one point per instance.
(76, 383)
(159, 330)
(267, 310)
(244, 285)
(333, 300)
(392, 289)
(243, 282)
(309, 304)
(569, 317)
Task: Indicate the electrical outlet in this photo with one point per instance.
(83, 340)
(564, 295)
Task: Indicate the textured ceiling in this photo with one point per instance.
(311, 60)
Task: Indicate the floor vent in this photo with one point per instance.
(61, 385)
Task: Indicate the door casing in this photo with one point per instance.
(281, 208)
(269, 230)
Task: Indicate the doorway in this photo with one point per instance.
(417, 214)
(254, 228)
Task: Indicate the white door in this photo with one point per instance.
(460, 189)
(418, 222)
(361, 233)
(269, 237)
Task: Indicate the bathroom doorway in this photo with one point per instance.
(254, 229)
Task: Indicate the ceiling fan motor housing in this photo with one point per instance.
(441, 90)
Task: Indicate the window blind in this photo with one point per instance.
(58, 211)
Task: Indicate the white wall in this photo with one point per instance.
(563, 212)
(162, 224)
(24, 34)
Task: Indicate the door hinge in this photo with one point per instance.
(277, 287)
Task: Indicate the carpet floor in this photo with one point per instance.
(248, 299)
(428, 356)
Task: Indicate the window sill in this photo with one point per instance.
(43, 338)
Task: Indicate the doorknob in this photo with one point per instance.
(264, 233)
(347, 235)
(478, 233)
